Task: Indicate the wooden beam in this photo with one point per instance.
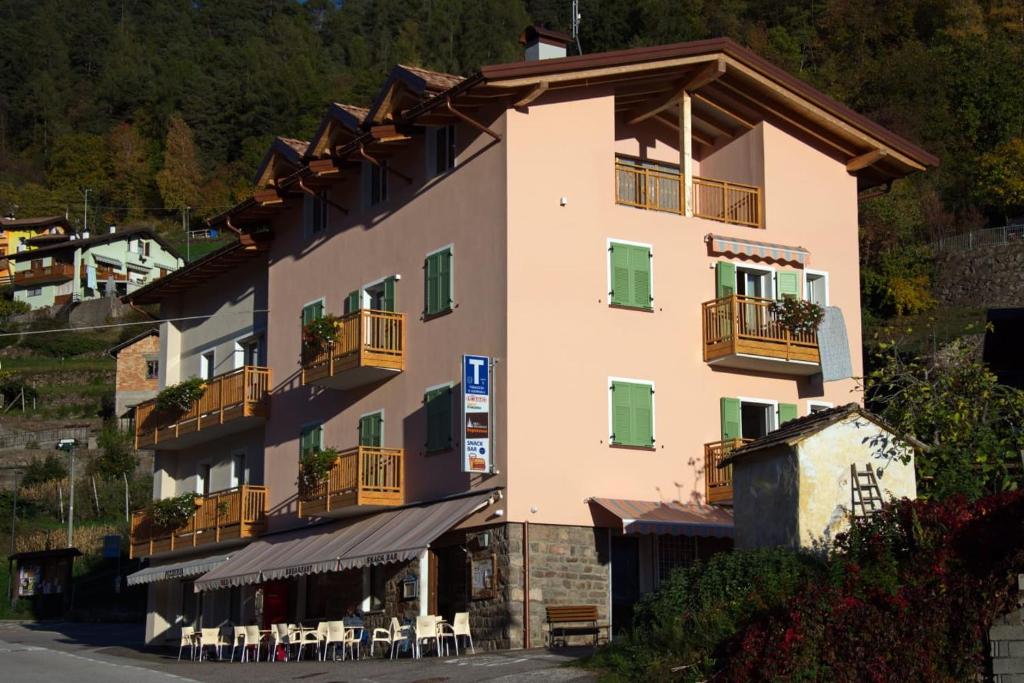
(388, 133)
(267, 197)
(686, 152)
(536, 92)
(674, 125)
(322, 167)
(709, 73)
(865, 160)
(725, 112)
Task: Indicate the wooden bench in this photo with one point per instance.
(572, 620)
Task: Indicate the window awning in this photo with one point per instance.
(676, 519)
(734, 246)
(177, 570)
(109, 260)
(396, 535)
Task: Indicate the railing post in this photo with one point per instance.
(734, 313)
(359, 474)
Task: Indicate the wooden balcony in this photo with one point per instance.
(718, 481)
(660, 189)
(370, 347)
(58, 272)
(362, 478)
(742, 332)
(229, 515)
(232, 402)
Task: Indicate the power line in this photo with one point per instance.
(86, 328)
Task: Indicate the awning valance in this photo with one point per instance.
(396, 535)
(108, 260)
(720, 244)
(676, 519)
(177, 570)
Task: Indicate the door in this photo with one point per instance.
(275, 603)
(625, 580)
(206, 365)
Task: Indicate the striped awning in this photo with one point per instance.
(397, 535)
(721, 244)
(108, 260)
(675, 519)
(176, 570)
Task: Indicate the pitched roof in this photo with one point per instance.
(434, 80)
(298, 146)
(352, 110)
(114, 350)
(38, 222)
(795, 431)
(104, 238)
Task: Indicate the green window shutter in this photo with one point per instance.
(621, 293)
(309, 440)
(731, 420)
(313, 311)
(725, 279)
(787, 412)
(439, 418)
(640, 272)
(642, 398)
(371, 430)
(431, 286)
(389, 294)
(787, 284)
(353, 301)
(622, 413)
(444, 275)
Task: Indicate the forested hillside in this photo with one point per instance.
(158, 104)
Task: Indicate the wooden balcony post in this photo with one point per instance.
(686, 152)
(359, 475)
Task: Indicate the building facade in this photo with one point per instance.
(618, 235)
(19, 234)
(60, 269)
(137, 371)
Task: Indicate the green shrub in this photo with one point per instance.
(314, 467)
(172, 513)
(9, 308)
(41, 470)
(318, 335)
(117, 453)
(178, 398)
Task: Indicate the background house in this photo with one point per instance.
(17, 234)
(137, 377)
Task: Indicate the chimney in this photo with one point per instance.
(113, 229)
(543, 43)
(85, 234)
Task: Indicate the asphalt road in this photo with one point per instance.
(84, 653)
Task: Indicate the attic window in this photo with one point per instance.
(441, 150)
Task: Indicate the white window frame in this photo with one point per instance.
(364, 295)
(236, 479)
(763, 269)
(609, 241)
(451, 273)
(654, 408)
(764, 402)
(240, 347)
(380, 412)
(803, 283)
(212, 351)
(818, 404)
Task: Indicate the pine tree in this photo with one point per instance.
(180, 178)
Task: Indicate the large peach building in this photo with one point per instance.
(608, 234)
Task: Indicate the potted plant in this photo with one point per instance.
(314, 466)
(318, 335)
(797, 316)
(173, 513)
(178, 398)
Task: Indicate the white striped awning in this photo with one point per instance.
(176, 570)
(721, 244)
(108, 260)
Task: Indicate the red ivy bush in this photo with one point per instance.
(910, 596)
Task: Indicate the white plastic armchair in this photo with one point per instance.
(426, 631)
(335, 637)
(187, 640)
(461, 627)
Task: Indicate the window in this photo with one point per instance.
(375, 182)
(35, 291)
(629, 275)
(247, 352)
(745, 418)
(438, 281)
(206, 364)
(152, 369)
(816, 287)
(312, 311)
(437, 404)
(631, 406)
(817, 407)
(311, 438)
(374, 579)
(36, 264)
(380, 296)
(440, 150)
(754, 282)
(314, 214)
(371, 430)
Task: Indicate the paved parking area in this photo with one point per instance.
(110, 652)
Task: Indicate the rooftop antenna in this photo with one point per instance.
(574, 22)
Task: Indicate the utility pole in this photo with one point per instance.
(14, 512)
(85, 211)
(68, 446)
(188, 235)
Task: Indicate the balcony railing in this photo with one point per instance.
(739, 330)
(228, 403)
(660, 189)
(718, 481)
(56, 272)
(370, 347)
(236, 513)
(361, 476)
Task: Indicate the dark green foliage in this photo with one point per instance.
(171, 513)
(12, 389)
(314, 467)
(117, 456)
(178, 398)
(40, 470)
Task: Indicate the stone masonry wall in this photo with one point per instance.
(569, 565)
(131, 385)
(986, 277)
(1006, 642)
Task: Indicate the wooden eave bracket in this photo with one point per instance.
(325, 200)
(268, 197)
(709, 73)
(323, 167)
(864, 160)
(388, 133)
(534, 93)
(475, 124)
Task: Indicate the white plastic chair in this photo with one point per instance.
(399, 636)
(187, 639)
(335, 637)
(238, 637)
(353, 639)
(426, 630)
(253, 638)
(461, 627)
(281, 635)
(210, 637)
(314, 638)
(446, 633)
(382, 636)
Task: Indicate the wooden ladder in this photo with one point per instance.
(866, 496)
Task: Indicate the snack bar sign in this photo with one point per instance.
(476, 414)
